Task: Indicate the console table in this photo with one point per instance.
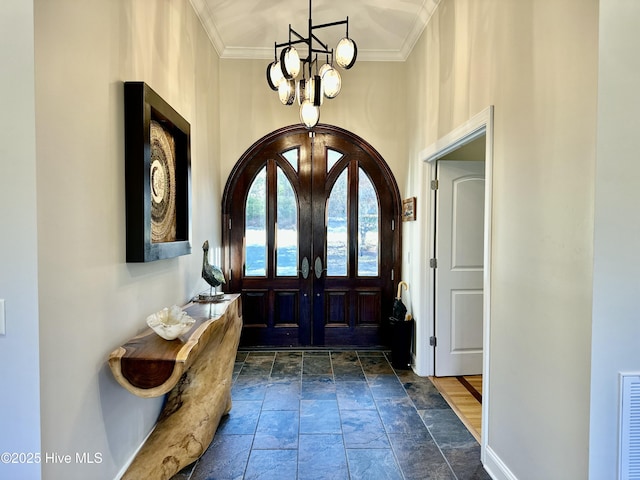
(196, 370)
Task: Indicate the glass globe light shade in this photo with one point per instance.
(346, 53)
(274, 75)
(287, 92)
(331, 81)
(290, 62)
(272, 85)
(309, 114)
(324, 68)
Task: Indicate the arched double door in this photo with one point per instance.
(311, 238)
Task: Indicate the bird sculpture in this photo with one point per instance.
(211, 274)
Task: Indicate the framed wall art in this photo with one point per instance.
(157, 176)
(409, 209)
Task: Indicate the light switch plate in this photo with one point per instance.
(2, 324)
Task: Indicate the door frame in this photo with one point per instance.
(371, 162)
(479, 125)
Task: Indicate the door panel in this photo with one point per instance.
(466, 337)
(315, 250)
(369, 308)
(459, 273)
(254, 306)
(468, 214)
(286, 308)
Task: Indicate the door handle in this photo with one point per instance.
(318, 267)
(304, 268)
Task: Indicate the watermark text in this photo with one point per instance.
(50, 458)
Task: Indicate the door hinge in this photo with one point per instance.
(392, 274)
(393, 225)
(433, 263)
(434, 184)
(229, 224)
(432, 341)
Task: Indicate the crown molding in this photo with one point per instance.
(423, 17)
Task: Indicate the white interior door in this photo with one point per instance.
(459, 273)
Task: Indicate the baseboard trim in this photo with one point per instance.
(124, 468)
(495, 467)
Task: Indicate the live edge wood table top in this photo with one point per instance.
(150, 366)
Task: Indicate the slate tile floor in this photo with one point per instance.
(335, 415)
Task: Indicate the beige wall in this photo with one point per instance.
(19, 347)
(616, 290)
(371, 105)
(91, 301)
(536, 62)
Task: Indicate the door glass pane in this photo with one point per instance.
(286, 228)
(332, 158)
(368, 234)
(256, 227)
(292, 157)
(337, 231)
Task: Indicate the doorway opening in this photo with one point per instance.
(311, 240)
(471, 141)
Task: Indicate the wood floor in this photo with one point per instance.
(464, 394)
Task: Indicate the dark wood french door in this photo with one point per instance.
(312, 239)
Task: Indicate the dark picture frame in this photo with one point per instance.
(409, 209)
(158, 205)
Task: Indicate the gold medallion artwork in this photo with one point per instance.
(157, 164)
(163, 184)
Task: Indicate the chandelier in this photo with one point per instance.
(300, 78)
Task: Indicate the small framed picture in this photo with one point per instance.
(157, 176)
(409, 209)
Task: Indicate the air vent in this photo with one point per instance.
(629, 427)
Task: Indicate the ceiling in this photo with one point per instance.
(383, 30)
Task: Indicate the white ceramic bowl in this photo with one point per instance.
(170, 322)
